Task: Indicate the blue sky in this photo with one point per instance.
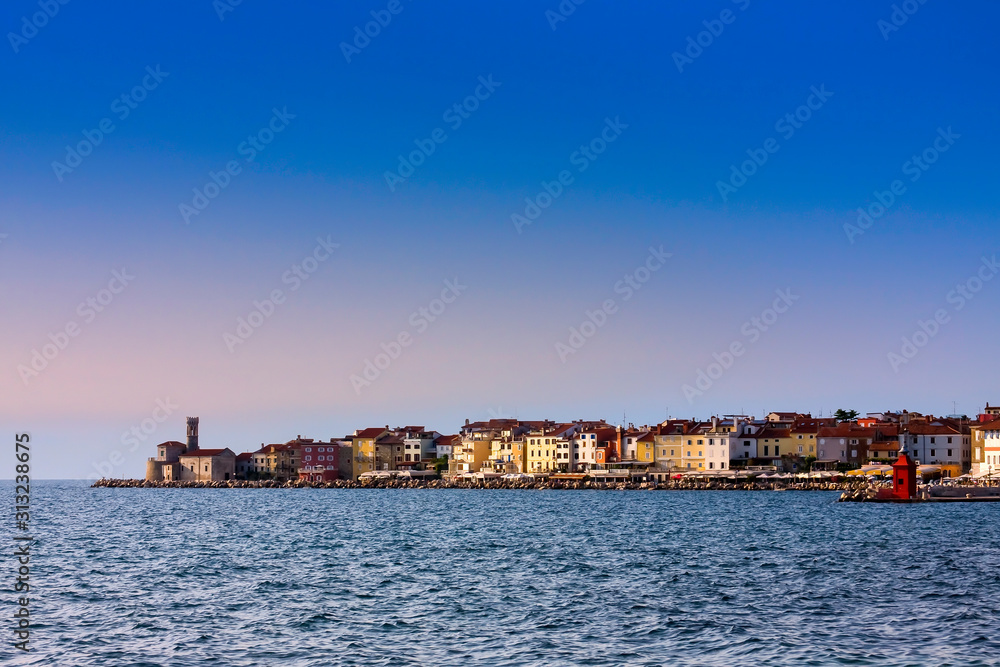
(495, 348)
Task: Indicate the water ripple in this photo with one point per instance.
(454, 577)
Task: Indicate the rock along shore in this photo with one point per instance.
(390, 483)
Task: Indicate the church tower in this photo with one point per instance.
(192, 443)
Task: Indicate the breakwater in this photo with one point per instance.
(542, 484)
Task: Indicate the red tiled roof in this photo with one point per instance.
(208, 452)
(560, 429)
(988, 426)
(245, 456)
(370, 432)
(171, 443)
(932, 429)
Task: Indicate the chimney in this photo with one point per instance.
(192, 434)
(715, 423)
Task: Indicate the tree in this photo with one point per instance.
(845, 415)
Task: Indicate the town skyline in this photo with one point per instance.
(127, 458)
(786, 442)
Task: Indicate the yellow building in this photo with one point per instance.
(549, 450)
(669, 444)
(646, 448)
(507, 454)
(773, 443)
(693, 451)
(985, 444)
(363, 449)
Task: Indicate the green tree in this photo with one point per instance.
(845, 415)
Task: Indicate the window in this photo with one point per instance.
(800, 449)
(932, 452)
(711, 465)
(949, 452)
(932, 441)
(308, 449)
(701, 442)
(671, 452)
(949, 441)
(765, 449)
(800, 437)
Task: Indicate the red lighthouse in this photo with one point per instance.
(904, 475)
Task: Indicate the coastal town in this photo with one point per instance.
(779, 444)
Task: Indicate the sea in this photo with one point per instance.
(310, 577)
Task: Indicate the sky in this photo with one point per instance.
(309, 220)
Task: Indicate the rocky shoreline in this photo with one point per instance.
(557, 484)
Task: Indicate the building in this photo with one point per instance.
(549, 448)
(244, 465)
(363, 449)
(850, 443)
(166, 464)
(388, 451)
(444, 445)
(939, 441)
(986, 448)
(320, 461)
(419, 448)
(207, 465)
(596, 446)
(669, 443)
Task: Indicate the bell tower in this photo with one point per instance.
(192, 435)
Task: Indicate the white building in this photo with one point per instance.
(938, 443)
